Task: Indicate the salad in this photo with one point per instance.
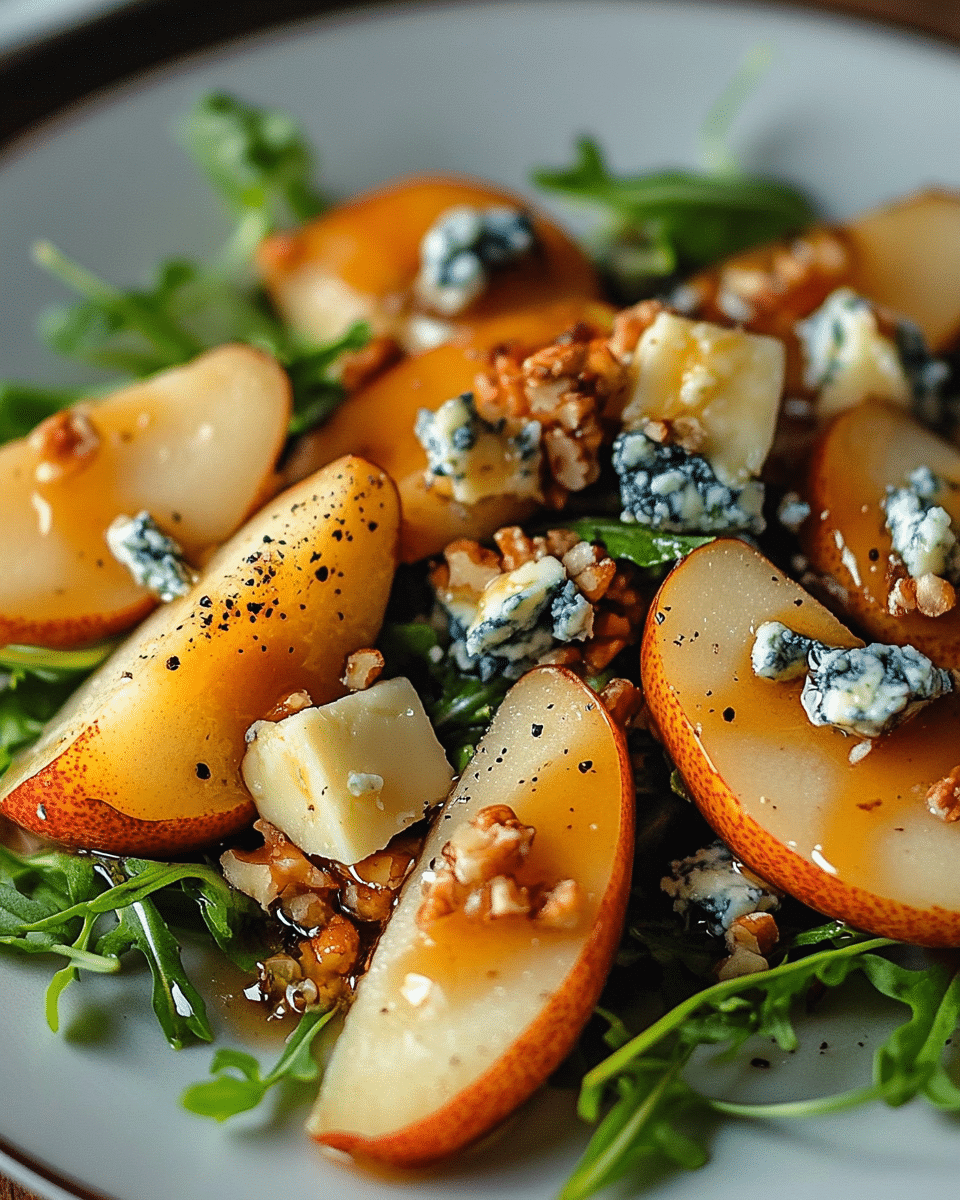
(529, 418)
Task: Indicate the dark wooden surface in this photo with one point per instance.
(940, 17)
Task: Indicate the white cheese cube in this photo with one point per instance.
(728, 380)
(340, 780)
(846, 357)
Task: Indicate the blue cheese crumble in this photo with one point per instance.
(477, 457)
(866, 690)
(921, 532)
(717, 888)
(869, 690)
(779, 653)
(154, 560)
(462, 247)
(666, 487)
(848, 358)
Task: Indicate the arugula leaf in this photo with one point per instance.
(315, 392)
(92, 910)
(645, 547)
(256, 159)
(645, 1073)
(230, 1094)
(676, 221)
(34, 684)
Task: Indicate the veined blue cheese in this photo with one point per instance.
(666, 487)
(869, 690)
(866, 690)
(726, 381)
(778, 653)
(462, 247)
(509, 621)
(154, 560)
(340, 780)
(921, 532)
(479, 458)
(847, 358)
(519, 616)
(715, 886)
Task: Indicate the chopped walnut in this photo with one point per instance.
(943, 797)
(749, 939)
(478, 877)
(611, 587)
(363, 668)
(330, 958)
(65, 443)
(573, 387)
(561, 906)
(624, 702)
(756, 931)
(319, 969)
(294, 703)
(495, 842)
(630, 324)
(930, 595)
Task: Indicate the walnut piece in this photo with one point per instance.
(930, 595)
(65, 442)
(574, 387)
(478, 877)
(613, 588)
(362, 669)
(943, 797)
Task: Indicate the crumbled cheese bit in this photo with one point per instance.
(462, 247)
(869, 690)
(342, 779)
(792, 511)
(846, 356)
(727, 380)
(717, 888)
(154, 560)
(665, 487)
(510, 610)
(778, 653)
(921, 532)
(478, 458)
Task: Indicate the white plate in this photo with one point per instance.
(857, 114)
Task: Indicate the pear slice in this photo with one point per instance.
(359, 261)
(195, 446)
(145, 757)
(378, 423)
(453, 1027)
(867, 449)
(853, 839)
(906, 257)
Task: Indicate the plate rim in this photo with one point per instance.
(87, 59)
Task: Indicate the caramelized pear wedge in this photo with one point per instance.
(863, 452)
(194, 446)
(145, 757)
(360, 261)
(459, 1019)
(853, 839)
(906, 257)
(378, 423)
